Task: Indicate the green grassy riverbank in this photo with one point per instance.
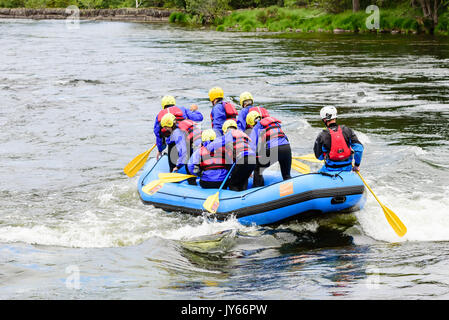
(278, 19)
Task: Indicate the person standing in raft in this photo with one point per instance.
(185, 136)
(271, 145)
(237, 151)
(221, 110)
(337, 145)
(247, 101)
(210, 166)
(169, 106)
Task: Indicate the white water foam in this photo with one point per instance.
(425, 216)
(207, 227)
(115, 218)
(364, 139)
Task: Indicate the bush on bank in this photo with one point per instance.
(279, 19)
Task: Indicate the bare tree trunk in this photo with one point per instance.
(424, 7)
(355, 5)
(436, 5)
(430, 12)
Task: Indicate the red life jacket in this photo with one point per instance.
(230, 110)
(191, 131)
(212, 160)
(272, 128)
(173, 110)
(340, 150)
(262, 111)
(240, 142)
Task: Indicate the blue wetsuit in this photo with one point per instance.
(218, 116)
(213, 175)
(192, 115)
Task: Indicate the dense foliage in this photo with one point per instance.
(280, 15)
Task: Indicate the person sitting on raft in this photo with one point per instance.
(247, 103)
(184, 136)
(169, 106)
(209, 166)
(238, 150)
(271, 145)
(221, 110)
(337, 145)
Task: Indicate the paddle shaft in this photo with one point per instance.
(366, 184)
(226, 178)
(392, 219)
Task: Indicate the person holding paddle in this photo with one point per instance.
(337, 145)
(185, 136)
(169, 106)
(210, 166)
(271, 145)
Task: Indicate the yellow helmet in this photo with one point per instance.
(215, 92)
(251, 117)
(208, 135)
(229, 123)
(168, 120)
(167, 101)
(245, 96)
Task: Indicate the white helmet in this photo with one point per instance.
(328, 113)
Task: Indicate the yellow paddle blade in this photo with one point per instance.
(137, 163)
(392, 218)
(153, 187)
(309, 157)
(211, 204)
(300, 167)
(174, 177)
(394, 222)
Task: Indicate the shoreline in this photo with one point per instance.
(120, 14)
(163, 15)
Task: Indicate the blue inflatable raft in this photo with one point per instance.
(302, 196)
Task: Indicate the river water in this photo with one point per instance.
(78, 104)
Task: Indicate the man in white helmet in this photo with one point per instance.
(337, 145)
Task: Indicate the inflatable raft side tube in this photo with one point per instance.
(333, 193)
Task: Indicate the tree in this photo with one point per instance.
(91, 4)
(207, 9)
(430, 10)
(355, 5)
